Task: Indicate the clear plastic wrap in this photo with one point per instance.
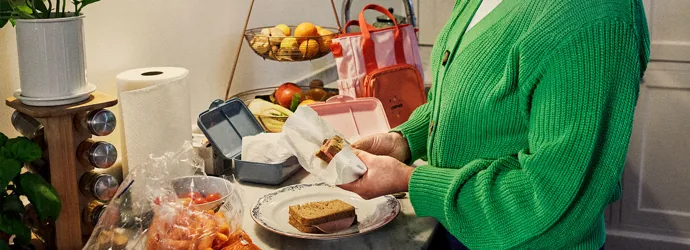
(169, 204)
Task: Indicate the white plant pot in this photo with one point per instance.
(51, 57)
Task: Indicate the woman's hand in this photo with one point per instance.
(385, 175)
(389, 144)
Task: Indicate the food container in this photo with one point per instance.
(204, 185)
(224, 124)
(354, 118)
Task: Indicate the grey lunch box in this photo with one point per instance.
(224, 124)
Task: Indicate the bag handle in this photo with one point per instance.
(354, 23)
(368, 49)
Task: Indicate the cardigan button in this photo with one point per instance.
(446, 54)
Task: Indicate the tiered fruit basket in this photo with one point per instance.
(285, 43)
(272, 43)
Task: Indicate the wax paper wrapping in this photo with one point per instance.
(304, 134)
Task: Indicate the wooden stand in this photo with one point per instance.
(65, 170)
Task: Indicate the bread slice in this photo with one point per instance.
(329, 148)
(315, 213)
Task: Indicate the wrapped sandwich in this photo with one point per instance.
(330, 148)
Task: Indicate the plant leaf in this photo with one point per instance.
(21, 11)
(4, 245)
(42, 195)
(40, 5)
(3, 137)
(5, 16)
(12, 225)
(87, 2)
(12, 204)
(22, 149)
(9, 168)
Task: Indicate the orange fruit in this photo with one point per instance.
(305, 30)
(309, 48)
(325, 40)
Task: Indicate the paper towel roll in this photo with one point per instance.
(155, 111)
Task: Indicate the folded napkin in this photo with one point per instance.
(264, 148)
(304, 132)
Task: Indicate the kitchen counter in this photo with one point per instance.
(407, 231)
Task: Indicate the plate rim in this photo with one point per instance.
(255, 206)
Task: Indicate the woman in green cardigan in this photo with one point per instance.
(527, 125)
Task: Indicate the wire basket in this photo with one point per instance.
(271, 43)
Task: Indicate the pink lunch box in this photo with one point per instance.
(354, 117)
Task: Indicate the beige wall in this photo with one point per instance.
(199, 35)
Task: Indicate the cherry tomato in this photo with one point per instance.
(157, 201)
(199, 200)
(192, 195)
(213, 197)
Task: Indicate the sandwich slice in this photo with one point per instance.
(323, 216)
(330, 148)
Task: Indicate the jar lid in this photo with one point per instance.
(102, 155)
(104, 187)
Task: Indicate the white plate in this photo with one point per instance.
(271, 211)
(55, 101)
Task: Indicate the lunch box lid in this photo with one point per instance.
(225, 123)
(353, 117)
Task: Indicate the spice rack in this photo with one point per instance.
(63, 136)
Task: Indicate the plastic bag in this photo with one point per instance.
(169, 204)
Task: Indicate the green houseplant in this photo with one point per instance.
(10, 10)
(50, 46)
(15, 218)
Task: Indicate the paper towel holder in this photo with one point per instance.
(62, 138)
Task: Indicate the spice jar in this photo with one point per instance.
(98, 185)
(26, 125)
(99, 122)
(98, 154)
(92, 213)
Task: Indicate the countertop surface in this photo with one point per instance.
(407, 231)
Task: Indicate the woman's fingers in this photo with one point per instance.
(378, 144)
(364, 143)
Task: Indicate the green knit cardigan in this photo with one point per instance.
(528, 121)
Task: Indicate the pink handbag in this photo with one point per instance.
(381, 63)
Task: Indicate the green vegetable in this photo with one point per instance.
(295, 102)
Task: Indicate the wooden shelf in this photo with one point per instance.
(65, 170)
